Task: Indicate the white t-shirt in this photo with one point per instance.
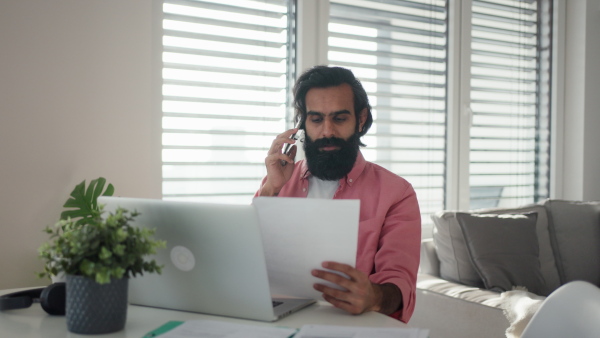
(318, 188)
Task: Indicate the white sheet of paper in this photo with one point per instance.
(332, 331)
(301, 233)
(216, 329)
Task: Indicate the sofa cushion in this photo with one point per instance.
(547, 261)
(575, 236)
(504, 250)
(430, 263)
(455, 263)
(446, 224)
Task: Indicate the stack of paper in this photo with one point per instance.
(299, 234)
(331, 331)
(217, 329)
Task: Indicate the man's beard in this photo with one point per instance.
(331, 165)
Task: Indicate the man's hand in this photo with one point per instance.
(277, 173)
(360, 295)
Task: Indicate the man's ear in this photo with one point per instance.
(362, 119)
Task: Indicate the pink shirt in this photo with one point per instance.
(389, 233)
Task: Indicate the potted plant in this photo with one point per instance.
(98, 254)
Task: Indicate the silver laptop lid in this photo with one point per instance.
(214, 261)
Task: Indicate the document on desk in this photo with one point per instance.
(332, 331)
(301, 233)
(217, 329)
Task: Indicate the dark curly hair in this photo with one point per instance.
(323, 77)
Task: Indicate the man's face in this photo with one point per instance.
(331, 144)
(330, 113)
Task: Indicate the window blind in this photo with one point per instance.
(225, 91)
(398, 49)
(509, 143)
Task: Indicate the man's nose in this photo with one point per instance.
(328, 128)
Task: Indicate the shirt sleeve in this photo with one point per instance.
(397, 259)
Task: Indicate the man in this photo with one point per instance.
(334, 111)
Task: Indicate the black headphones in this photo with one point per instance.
(51, 298)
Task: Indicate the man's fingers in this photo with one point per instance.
(341, 267)
(278, 143)
(356, 295)
(281, 139)
(340, 299)
(347, 270)
(276, 159)
(333, 292)
(333, 278)
(340, 304)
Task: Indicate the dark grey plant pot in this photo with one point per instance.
(94, 308)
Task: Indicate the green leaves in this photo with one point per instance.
(83, 202)
(100, 248)
(84, 243)
(105, 254)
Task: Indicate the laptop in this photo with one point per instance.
(214, 262)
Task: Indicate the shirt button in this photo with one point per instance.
(304, 189)
(350, 180)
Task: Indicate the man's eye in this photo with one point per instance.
(316, 120)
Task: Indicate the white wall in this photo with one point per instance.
(581, 115)
(76, 102)
(591, 173)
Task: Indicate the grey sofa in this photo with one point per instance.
(476, 258)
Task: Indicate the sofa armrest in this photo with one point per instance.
(430, 263)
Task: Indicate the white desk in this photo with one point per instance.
(33, 322)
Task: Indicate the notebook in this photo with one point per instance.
(214, 262)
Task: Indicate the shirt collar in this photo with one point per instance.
(357, 169)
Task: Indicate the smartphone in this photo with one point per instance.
(288, 146)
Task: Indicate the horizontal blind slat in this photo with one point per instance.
(232, 40)
(388, 41)
(382, 26)
(231, 101)
(221, 23)
(502, 31)
(221, 116)
(219, 85)
(381, 67)
(516, 68)
(342, 10)
(225, 8)
(523, 81)
(428, 6)
(217, 132)
(213, 163)
(505, 56)
(217, 148)
(226, 55)
(514, 44)
(217, 70)
(503, 7)
(506, 91)
(496, 18)
(388, 54)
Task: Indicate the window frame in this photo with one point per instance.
(311, 29)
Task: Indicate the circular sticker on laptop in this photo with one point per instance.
(182, 258)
